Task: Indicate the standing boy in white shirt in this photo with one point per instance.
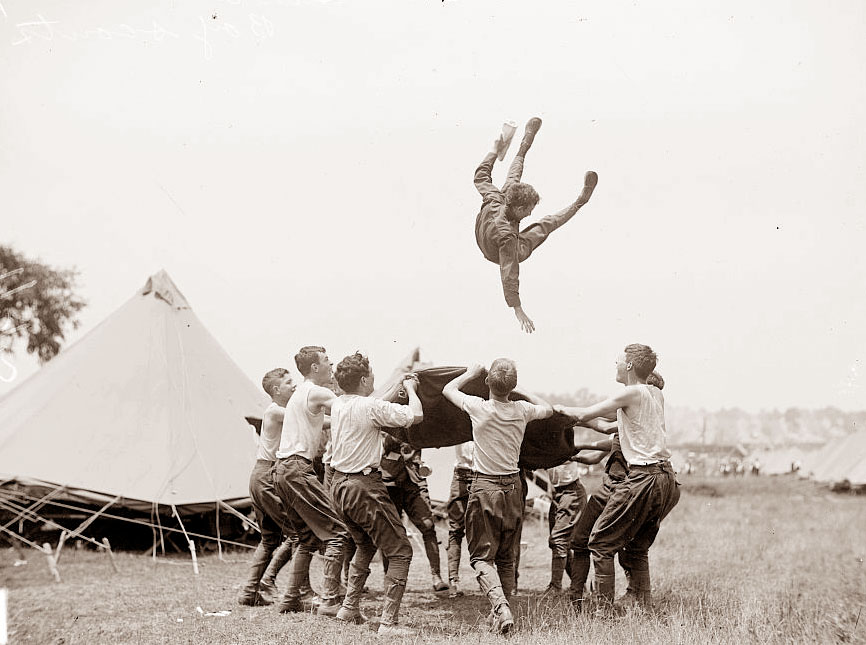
(494, 512)
(357, 490)
(631, 518)
(308, 505)
(270, 514)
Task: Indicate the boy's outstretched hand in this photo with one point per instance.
(475, 370)
(525, 323)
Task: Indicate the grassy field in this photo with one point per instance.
(769, 560)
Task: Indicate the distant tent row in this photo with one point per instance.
(145, 411)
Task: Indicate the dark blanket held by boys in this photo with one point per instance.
(547, 443)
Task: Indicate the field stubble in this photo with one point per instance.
(770, 560)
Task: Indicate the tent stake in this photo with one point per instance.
(194, 559)
(60, 544)
(188, 540)
(110, 554)
(52, 565)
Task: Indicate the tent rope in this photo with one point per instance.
(91, 519)
(39, 503)
(33, 517)
(22, 538)
(246, 520)
(145, 523)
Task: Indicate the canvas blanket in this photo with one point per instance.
(547, 443)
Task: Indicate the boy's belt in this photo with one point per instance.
(657, 467)
(367, 471)
(496, 478)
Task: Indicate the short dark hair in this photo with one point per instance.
(520, 194)
(306, 356)
(350, 370)
(502, 376)
(273, 377)
(656, 379)
(642, 358)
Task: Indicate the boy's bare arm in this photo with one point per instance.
(534, 399)
(275, 414)
(601, 425)
(583, 414)
(320, 399)
(410, 384)
(591, 459)
(529, 396)
(605, 445)
(452, 392)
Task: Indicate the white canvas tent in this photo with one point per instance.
(146, 409)
(779, 461)
(841, 461)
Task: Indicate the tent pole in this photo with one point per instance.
(161, 537)
(153, 528)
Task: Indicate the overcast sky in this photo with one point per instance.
(303, 171)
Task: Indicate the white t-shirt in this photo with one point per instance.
(302, 432)
(498, 429)
(269, 439)
(356, 440)
(464, 454)
(642, 434)
(564, 473)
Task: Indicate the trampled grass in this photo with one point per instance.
(769, 560)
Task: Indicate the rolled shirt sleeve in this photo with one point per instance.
(509, 262)
(533, 412)
(484, 178)
(471, 404)
(390, 415)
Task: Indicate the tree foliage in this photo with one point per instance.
(37, 303)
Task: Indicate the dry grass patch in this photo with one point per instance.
(769, 560)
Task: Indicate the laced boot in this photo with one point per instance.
(350, 612)
(250, 594)
(394, 590)
(590, 181)
(291, 600)
(454, 589)
(438, 583)
(557, 566)
(281, 557)
(532, 127)
(332, 599)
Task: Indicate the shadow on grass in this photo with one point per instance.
(701, 488)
